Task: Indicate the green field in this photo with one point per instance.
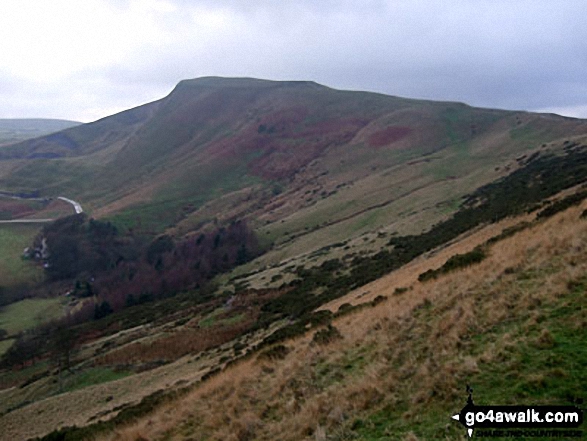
(29, 313)
(4, 345)
(14, 238)
(92, 376)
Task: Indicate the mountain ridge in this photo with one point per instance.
(211, 139)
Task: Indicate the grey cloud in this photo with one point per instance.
(528, 54)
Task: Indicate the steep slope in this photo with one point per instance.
(343, 188)
(295, 157)
(397, 369)
(394, 367)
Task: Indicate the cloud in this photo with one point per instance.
(104, 56)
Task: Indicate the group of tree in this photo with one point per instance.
(168, 266)
(123, 270)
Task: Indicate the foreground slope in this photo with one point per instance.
(395, 363)
(511, 326)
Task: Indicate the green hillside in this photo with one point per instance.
(218, 148)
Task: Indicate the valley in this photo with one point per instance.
(280, 260)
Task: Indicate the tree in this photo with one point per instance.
(63, 344)
(102, 310)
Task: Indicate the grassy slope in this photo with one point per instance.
(5, 345)
(415, 201)
(348, 192)
(511, 326)
(204, 141)
(387, 377)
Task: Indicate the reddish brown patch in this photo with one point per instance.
(388, 136)
(14, 209)
(338, 125)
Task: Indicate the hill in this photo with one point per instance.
(397, 368)
(303, 162)
(393, 366)
(15, 130)
(255, 249)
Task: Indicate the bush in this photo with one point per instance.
(508, 232)
(327, 335)
(563, 204)
(377, 300)
(455, 262)
(344, 307)
(278, 352)
(102, 310)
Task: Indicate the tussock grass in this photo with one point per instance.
(400, 371)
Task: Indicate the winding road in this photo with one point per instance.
(76, 205)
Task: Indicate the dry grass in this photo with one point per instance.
(174, 346)
(85, 406)
(386, 356)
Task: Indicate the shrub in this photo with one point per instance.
(278, 352)
(508, 232)
(377, 300)
(455, 262)
(327, 335)
(563, 204)
(344, 307)
(102, 310)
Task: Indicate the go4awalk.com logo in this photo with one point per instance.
(520, 421)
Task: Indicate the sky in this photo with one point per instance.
(84, 60)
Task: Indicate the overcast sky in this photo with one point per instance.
(86, 59)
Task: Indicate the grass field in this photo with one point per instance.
(29, 313)
(13, 269)
(4, 345)
(92, 376)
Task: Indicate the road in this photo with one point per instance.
(76, 206)
(26, 221)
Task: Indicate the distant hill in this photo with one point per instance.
(306, 164)
(15, 130)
